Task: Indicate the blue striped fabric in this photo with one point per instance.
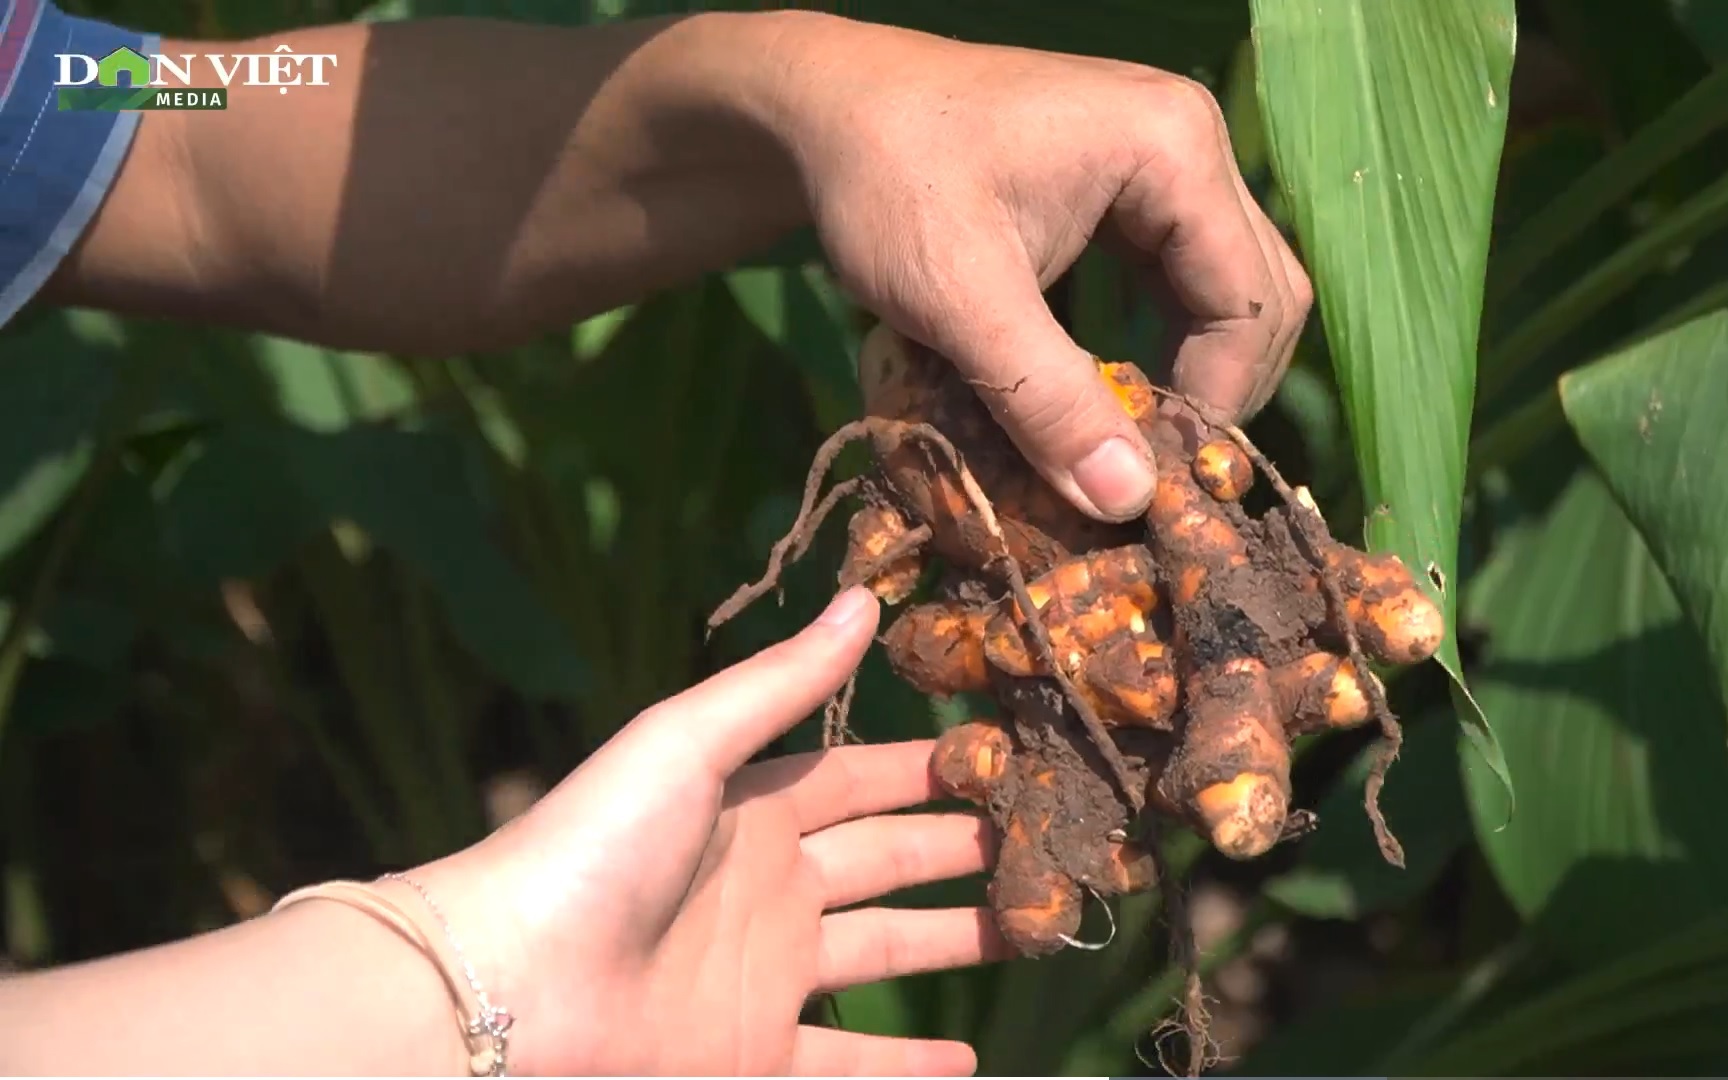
(55, 167)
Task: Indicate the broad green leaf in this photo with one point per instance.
(1610, 727)
(1342, 874)
(1652, 418)
(1385, 123)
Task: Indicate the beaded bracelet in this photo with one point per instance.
(480, 1019)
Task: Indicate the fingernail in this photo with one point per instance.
(846, 607)
(1117, 478)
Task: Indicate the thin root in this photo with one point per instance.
(810, 515)
(1311, 530)
(1094, 946)
(835, 730)
(1095, 729)
(1196, 1020)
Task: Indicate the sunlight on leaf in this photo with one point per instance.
(1385, 123)
(1611, 728)
(1652, 418)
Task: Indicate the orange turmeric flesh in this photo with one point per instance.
(875, 533)
(970, 759)
(939, 648)
(1394, 619)
(1082, 602)
(1132, 682)
(1231, 770)
(1222, 470)
(1321, 691)
(1185, 649)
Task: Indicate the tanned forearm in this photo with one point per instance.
(460, 184)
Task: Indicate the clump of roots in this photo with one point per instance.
(1163, 664)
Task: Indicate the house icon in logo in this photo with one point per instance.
(123, 59)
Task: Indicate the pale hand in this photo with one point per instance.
(666, 908)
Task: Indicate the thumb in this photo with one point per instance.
(992, 323)
(720, 723)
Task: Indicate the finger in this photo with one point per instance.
(1297, 307)
(717, 725)
(1292, 307)
(860, 860)
(1182, 207)
(821, 1051)
(878, 943)
(982, 308)
(827, 786)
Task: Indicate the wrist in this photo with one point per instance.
(392, 999)
(713, 96)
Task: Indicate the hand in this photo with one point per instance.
(663, 909)
(951, 183)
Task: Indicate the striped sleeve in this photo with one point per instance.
(55, 167)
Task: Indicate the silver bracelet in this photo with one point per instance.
(492, 1021)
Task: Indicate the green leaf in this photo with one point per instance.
(800, 309)
(1655, 145)
(1652, 418)
(232, 510)
(1385, 123)
(1612, 730)
(1707, 22)
(328, 391)
(1342, 874)
(403, 490)
(258, 491)
(53, 385)
(878, 1008)
(1613, 1018)
(1676, 232)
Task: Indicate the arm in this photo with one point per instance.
(468, 184)
(317, 988)
(668, 909)
(462, 184)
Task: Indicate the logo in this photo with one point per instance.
(129, 81)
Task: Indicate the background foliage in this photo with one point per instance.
(273, 613)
